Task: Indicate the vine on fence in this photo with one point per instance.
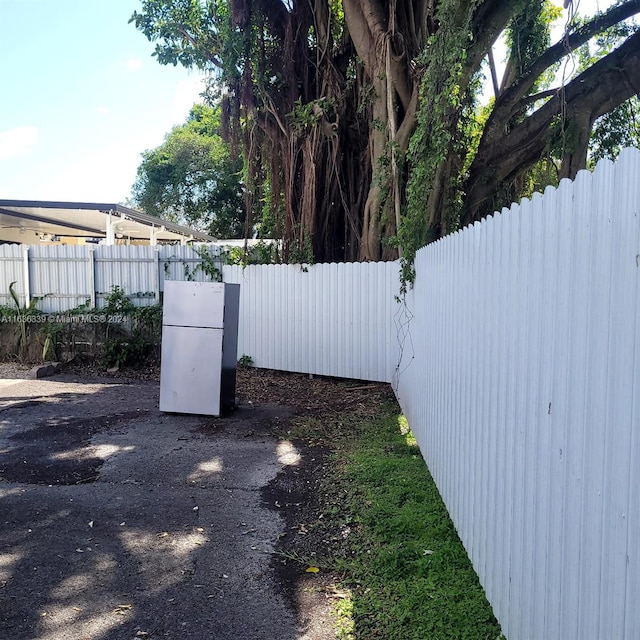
(208, 265)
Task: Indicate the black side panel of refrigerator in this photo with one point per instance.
(230, 346)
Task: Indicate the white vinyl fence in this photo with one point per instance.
(328, 319)
(325, 319)
(521, 380)
(65, 276)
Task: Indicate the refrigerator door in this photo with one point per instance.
(193, 304)
(191, 370)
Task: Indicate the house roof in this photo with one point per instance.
(28, 221)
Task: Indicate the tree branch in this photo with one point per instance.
(369, 31)
(367, 25)
(489, 21)
(574, 40)
(512, 100)
(538, 96)
(602, 87)
(494, 75)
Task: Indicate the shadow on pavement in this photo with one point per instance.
(118, 522)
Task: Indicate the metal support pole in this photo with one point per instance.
(156, 252)
(109, 230)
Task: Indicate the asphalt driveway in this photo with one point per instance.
(120, 522)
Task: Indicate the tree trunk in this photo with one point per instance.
(371, 224)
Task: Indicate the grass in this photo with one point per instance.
(406, 575)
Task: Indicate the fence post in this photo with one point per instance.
(156, 251)
(27, 284)
(92, 277)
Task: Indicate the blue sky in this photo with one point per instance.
(81, 98)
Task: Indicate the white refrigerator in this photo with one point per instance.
(199, 347)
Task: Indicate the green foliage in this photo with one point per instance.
(21, 313)
(53, 331)
(448, 136)
(119, 353)
(212, 259)
(261, 252)
(279, 71)
(444, 95)
(610, 133)
(245, 361)
(615, 130)
(265, 253)
(192, 179)
(148, 323)
(185, 32)
(236, 256)
(131, 332)
(139, 330)
(306, 116)
(302, 253)
(48, 348)
(529, 34)
(6, 312)
(210, 263)
(405, 568)
(118, 303)
(36, 325)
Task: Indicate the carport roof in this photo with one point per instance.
(90, 220)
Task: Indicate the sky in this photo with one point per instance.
(81, 97)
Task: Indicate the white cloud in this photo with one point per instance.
(17, 141)
(133, 64)
(102, 111)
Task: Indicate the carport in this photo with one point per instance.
(32, 221)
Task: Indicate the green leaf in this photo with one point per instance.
(14, 295)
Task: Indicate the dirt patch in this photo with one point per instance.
(311, 535)
(13, 370)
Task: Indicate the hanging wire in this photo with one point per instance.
(407, 353)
